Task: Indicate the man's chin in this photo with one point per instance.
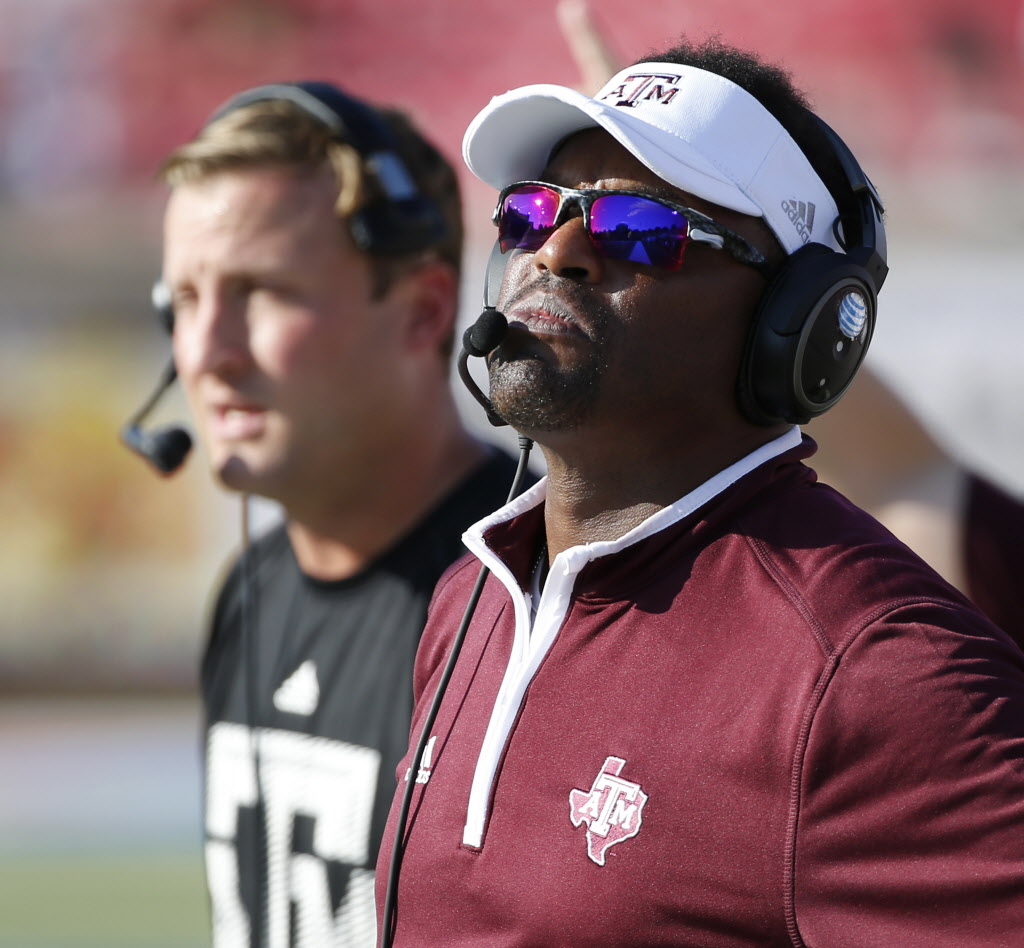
(234, 472)
(532, 399)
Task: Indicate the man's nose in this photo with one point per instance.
(213, 337)
(569, 252)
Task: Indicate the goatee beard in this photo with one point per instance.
(532, 396)
(535, 393)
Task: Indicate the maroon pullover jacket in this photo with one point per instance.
(756, 720)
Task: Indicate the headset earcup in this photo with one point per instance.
(807, 339)
(394, 228)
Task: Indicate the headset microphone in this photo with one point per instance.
(486, 334)
(478, 340)
(165, 448)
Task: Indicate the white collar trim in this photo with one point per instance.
(584, 553)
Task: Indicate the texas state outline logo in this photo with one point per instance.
(612, 809)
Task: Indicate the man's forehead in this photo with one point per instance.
(252, 201)
(591, 148)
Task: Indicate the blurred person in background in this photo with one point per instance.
(876, 450)
(312, 246)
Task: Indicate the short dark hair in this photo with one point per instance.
(773, 87)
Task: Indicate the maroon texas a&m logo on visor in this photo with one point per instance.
(643, 87)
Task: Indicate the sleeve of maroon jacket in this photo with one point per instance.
(908, 804)
(994, 554)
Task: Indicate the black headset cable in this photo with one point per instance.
(391, 891)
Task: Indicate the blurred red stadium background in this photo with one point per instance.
(104, 571)
(148, 72)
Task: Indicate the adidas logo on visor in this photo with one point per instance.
(801, 213)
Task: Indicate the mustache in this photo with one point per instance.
(566, 300)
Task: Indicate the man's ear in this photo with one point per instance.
(432, 303)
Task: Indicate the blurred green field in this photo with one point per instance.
(94, 901)
(100, 827)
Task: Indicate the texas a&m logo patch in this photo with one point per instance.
(612, 809)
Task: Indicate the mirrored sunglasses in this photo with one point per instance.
(623, 225)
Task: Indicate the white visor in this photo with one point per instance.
(696, 130)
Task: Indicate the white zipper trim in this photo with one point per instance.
(530, 647)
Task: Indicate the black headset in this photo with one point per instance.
(401, 219)
(814, 323)
(398, 219)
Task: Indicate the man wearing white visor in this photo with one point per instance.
(703, 700)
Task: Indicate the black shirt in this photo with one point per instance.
(307, 688)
